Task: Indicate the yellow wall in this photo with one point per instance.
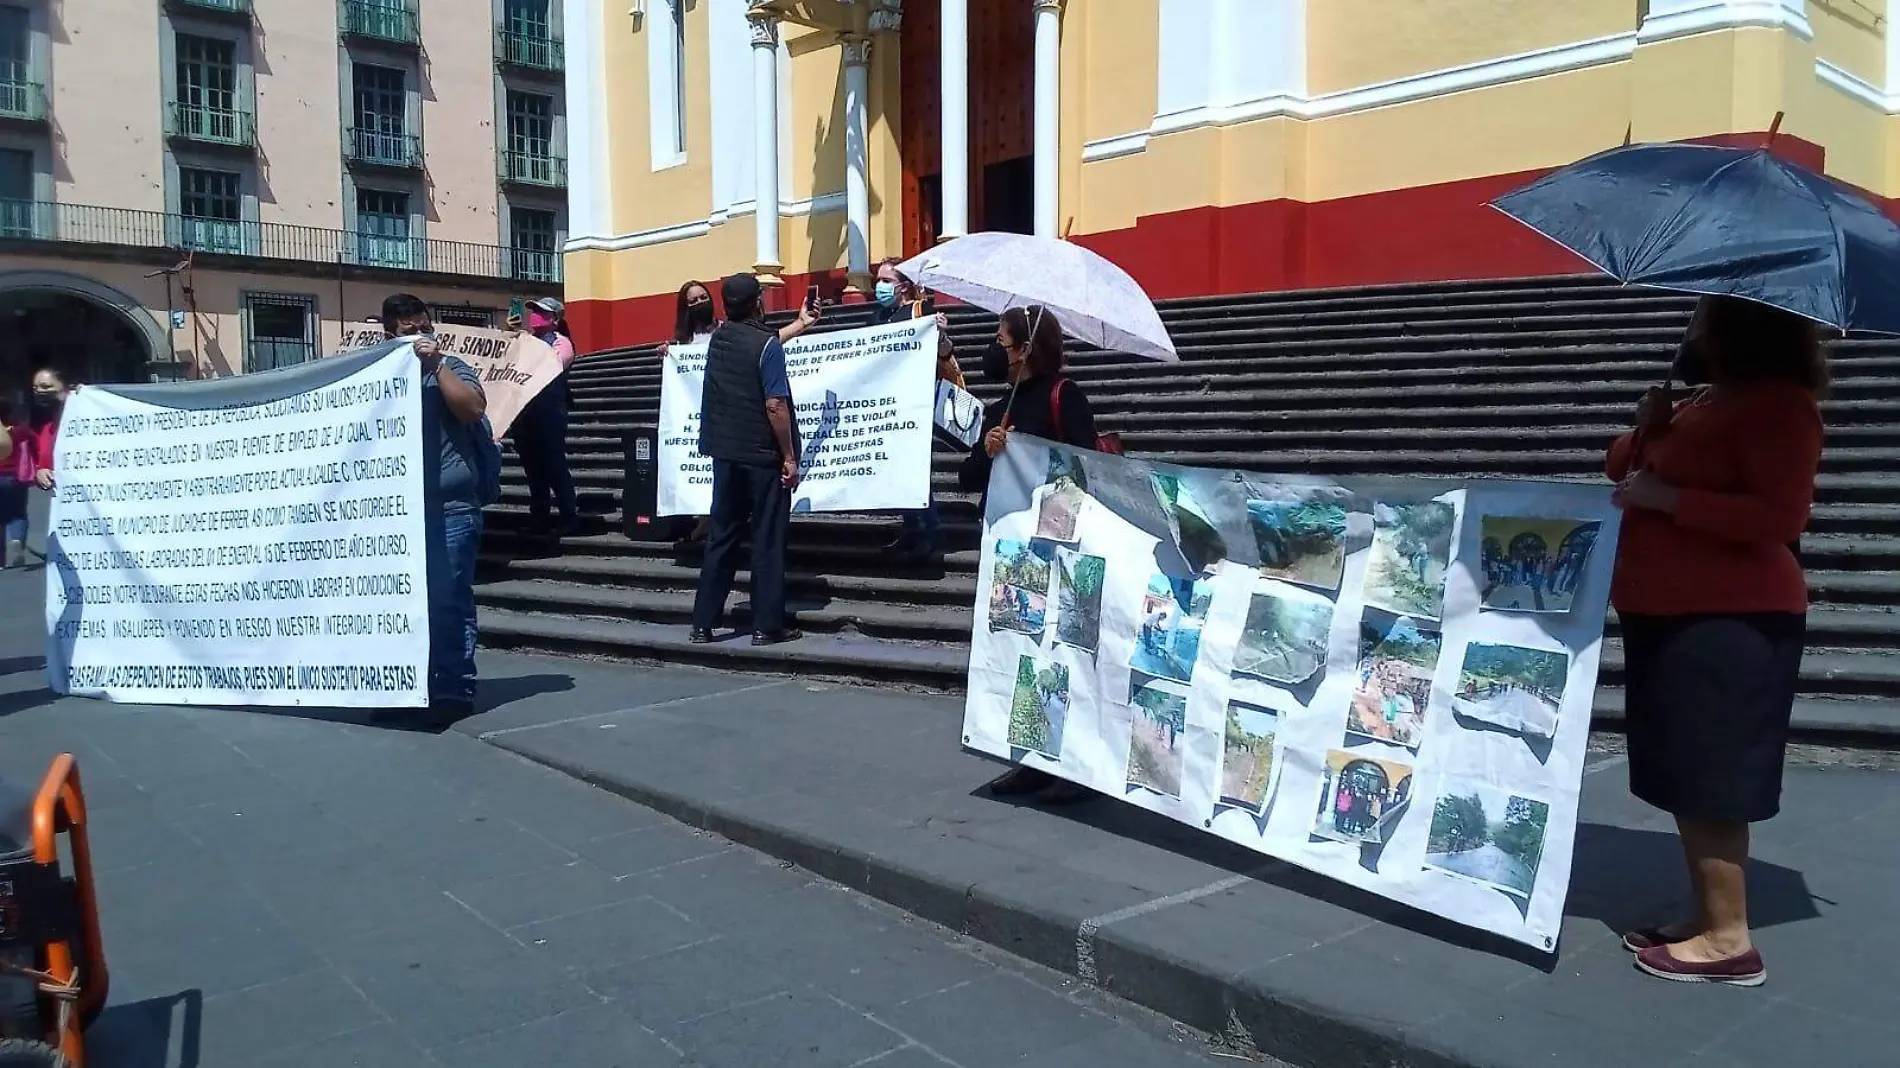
(1852, 35)
(1417, 36)
(1707, 85)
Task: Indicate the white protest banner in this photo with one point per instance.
(514, 366)
(1386, 681)
(864, 400)
(250, 540)
(959, 414)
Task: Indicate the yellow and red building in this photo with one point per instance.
(1208, 146)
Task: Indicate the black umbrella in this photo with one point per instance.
(1726, 221)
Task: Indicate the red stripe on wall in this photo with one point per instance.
(1422, 234)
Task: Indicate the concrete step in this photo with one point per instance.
(912, 588)
(840, 657)
(818, 615)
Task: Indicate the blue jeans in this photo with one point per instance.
(454, 537)
(12, 509)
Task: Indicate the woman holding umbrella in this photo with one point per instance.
(1715, 490)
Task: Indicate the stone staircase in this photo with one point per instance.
(1529, 378)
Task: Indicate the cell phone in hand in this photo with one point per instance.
(811, 297)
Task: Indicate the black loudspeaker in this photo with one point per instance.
(640, 492)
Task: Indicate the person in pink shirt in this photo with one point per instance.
(16, 474)
(46, 402)
(540, 431)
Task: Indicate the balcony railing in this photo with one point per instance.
(216, 7)
(536, 265)
(380, 149)
(534, 168)
(22, 101)
(230, 127)
(533, 51)
(83, 224)
(382, 20)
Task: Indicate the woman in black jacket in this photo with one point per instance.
(1029, 355)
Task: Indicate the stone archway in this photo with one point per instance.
(89, 330)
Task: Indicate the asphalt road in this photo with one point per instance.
(279, 891)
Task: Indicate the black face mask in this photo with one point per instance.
(996, 363)
(1691, 366)
(44, 403)
(700, 316)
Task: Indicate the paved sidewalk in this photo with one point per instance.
(870, 789)
(279, 892)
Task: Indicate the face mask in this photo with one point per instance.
(700, 316)
(887, 294)
(45, 402)
(540, 322)
(996, 363)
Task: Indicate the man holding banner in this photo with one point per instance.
(455, 450)
(746, 430)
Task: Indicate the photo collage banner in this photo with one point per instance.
(1387, 681)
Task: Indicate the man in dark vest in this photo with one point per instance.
(748, 429)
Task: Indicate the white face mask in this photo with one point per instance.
(887, 294)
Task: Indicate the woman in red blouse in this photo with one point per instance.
(1715, 491)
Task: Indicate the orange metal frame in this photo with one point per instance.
(59, 807)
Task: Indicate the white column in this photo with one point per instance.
(765, 139)
(857, 183)
(956, 118)
(1893, 55)
(1048, 114)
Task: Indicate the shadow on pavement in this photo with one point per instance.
(1621, 876)
(140, 1035)
(491, 694)
(16, 665)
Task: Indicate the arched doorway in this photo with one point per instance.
(90, 331)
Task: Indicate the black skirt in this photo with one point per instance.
(1708, 699)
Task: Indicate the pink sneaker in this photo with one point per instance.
(1744, 970)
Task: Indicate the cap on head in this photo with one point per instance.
(549, 305)
(740, 291)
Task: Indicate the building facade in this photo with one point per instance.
(210, 187)
(1208, 146)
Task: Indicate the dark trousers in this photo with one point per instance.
(745, 496)
(540, 434)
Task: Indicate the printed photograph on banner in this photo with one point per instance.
(1019, 589)
(1169, 639)
(1394, 683)
(1246, 767)
(1534, 565)
(1201, 545)
(1285, 637)
(1361, 798)
(1300, 541)
(1079, 579)
(1157, 756)
(1062, 502)
(1512, 687)
(1488, 835)
(1411, 552)
(1039, 709)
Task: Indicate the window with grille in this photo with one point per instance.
(461, 315)
(210, 209)
(16, 192)
(532, 236)
(382, 227)
(382, 113)
(666, 82)
(531, 137)
(527, 18)
(281, 332)
(16, 60)
(206, 90)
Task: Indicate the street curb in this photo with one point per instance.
(1250, 1016)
